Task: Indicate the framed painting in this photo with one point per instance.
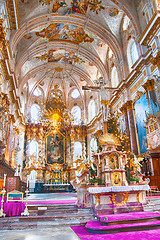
(55, 148)
(141, 110)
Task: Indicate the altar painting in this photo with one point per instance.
(141, 110)
(55, 148)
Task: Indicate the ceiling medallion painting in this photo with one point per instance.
(61, 56)
(113, 12)
(66, 32)
(64, 7)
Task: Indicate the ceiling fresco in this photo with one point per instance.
(55, 55)
(66, 32)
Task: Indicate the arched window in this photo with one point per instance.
(35, 112)
(93, 147)
(114, 77)
(91, 110)
(132, 53)
(37, 92)
(22, 104)
(76, 114)
(125, 23)
(75, 93)
(77, 150)
(110, 53)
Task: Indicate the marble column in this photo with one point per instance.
(132, 128)
(124, 111)
(105, 112)
(72, 147)
(83, 147)
(68, 154)
(153, 104)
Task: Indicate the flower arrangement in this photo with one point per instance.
(133, 177)
(95, 180)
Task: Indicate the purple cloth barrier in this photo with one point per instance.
(13, 208)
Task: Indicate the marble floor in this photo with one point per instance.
(57, 233)
(51, 196)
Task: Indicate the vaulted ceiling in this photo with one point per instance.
(68, 42)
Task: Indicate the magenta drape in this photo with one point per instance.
(13, 208)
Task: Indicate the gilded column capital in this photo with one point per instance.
(129, 105)
(12, 118)
(123, 109)
(149, 85)
(105, 102)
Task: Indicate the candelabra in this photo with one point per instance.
(2, 214)
(26, 213)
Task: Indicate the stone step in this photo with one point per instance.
(47, 210)
(39, 221)
(96, 227)
(64, 213)
(40, 224)
(52, 206)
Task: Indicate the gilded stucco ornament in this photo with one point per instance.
(119, 199)
(109, 138)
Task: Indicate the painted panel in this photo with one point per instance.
(55, 148)
(141, 110)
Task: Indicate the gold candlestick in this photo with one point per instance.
(2, 214)
(26, 213)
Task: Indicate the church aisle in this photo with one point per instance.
(56, 233)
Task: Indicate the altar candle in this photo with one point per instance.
(27, 181)
(99, 158)
(5, 175)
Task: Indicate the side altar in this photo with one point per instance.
(113, 194)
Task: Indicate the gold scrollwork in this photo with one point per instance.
(123, 198)
(140, 197)
(97, 197)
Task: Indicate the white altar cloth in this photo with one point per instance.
(56, 184)
(93, 190)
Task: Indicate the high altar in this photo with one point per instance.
(53, 136)
(114, 195)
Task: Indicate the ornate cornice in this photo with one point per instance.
(13, 13)
(150, 31)
(139, 94)
(156, 60)
(133, 76)
(94, 121)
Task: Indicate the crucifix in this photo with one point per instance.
(104, 93)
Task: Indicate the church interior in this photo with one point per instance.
(80, 117)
